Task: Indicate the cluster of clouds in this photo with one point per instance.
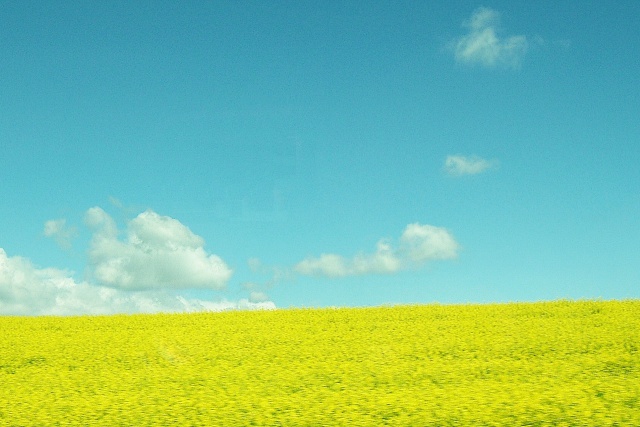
(482, 44)
(139, 273)
(140, 268)
(158, 255)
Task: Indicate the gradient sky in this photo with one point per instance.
(203, 155)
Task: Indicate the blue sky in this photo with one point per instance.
(162, 156)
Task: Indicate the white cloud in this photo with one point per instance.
(159, 252)
(58, 230)
(242, 304)
(418, 244)
(482, 45)
(421, 243)
(382, 261)
(460, 165)
(330, 265)
(28, 290)
(258, 297)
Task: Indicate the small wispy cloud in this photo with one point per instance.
(257, 297)
(417, 245)
(458, 165)
(58, 230)
(159, 252)
(483, 46)
(258, 289)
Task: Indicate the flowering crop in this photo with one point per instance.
(557, 363)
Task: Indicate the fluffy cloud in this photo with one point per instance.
(28, 290)
(158, 252)
(482, 46)
(58, 230)
(421, 243)
(418, 244)
(461, 165)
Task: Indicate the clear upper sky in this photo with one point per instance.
(160, 155)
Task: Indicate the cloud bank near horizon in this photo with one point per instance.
(28, 290)
(137, 274)
(418, 244)
(142, 267)
(482, 45)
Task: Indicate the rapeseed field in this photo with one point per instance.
(559, 363)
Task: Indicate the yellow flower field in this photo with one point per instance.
(536, 364)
